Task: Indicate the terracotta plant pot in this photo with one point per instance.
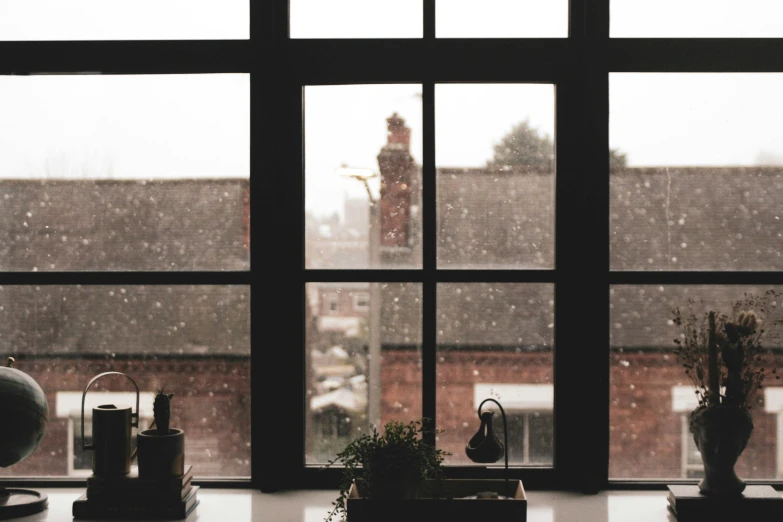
(161, 456)
(721, 434)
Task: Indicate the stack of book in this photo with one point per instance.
(129, 496)
(757, 503)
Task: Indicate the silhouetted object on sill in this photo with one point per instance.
(160, 488)
(161, 450)
(111, 433)
(24, 415)
(485, 447)
(721, 429)
(721, 433)
(391, 467)
(724, 356)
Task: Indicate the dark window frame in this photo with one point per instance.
(280, 68)
(131, 57)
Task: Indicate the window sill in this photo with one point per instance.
(311, 506)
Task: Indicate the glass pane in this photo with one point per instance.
(496, 340)
(82, 459)
(194, 341)
(695, 19)
(651, 395)
(356, 19)
(541, 434)
(124, 19)
(703, 171)
(363, 176)
(363, 363)
(122, 173)
(501, 19)
(495, 151)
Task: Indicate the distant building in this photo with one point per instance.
(498, 338)
(356, 218)
(106, 225)
(192, 340)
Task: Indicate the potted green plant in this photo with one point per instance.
(724, 357)
(161, 449)
(391, 465)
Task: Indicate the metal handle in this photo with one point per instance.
(133, 415)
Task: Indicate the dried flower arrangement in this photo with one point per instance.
(723, 355)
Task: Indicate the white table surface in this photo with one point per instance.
(238, 505)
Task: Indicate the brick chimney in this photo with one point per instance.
(397, 170)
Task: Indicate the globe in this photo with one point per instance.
(24, 414)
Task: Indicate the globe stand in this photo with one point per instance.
(25, 403)
(15, 502)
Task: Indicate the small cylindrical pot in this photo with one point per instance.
(161, 456)
(721, 434)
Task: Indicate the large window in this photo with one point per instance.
(125, 210)
(550, 195)
(699, 196)
(450, 200)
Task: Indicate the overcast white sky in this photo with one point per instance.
(656, 119)
(534, 18)
(696, 18)
(347, 125)
(123, 19)
(198, 126)
(697, 119)
(168, 126)
(212, 19)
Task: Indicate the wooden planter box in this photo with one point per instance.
(450, 508)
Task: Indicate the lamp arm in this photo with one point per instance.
(369, 193)
(505, 436)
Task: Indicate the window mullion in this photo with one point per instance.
(126, 57)
(429, 254)
(581, 292)
(278, 368)
(582, 222)
(695, 54)
(429, 19)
